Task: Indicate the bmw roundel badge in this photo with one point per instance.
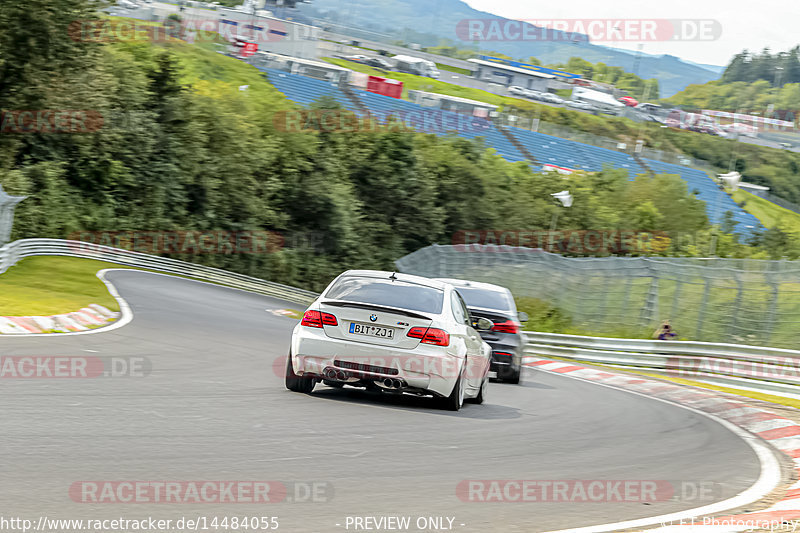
(373, 318)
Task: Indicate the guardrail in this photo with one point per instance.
(734, 365)
(12, 252)
(770, 369)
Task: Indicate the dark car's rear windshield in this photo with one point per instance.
(486, 299)
(389, 293)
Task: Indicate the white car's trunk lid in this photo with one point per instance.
(374, 324)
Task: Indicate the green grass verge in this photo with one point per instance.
(544, 317)
(420, 83)
(771, 398)
(42, 286)
(457, 70)
(769, 214)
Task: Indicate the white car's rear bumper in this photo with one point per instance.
(430, 368)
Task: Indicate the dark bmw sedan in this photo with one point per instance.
(496, 303)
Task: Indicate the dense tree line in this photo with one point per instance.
(628, 82)
(181, 148)
(766, 84)
(776, 69)
(758, 97)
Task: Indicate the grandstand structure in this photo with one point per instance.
(513, 144)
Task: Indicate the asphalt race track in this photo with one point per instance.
(214, 408)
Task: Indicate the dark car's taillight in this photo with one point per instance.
(435, 336)
(506, 327)
(316, 319)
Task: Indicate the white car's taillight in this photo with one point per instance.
(435, 336)
(315, 319)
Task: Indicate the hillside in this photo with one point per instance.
(428, 23)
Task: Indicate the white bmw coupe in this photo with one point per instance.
(391, 332)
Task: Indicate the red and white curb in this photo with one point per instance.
(82, 320)
(780, 432)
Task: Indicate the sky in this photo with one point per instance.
(744, 25)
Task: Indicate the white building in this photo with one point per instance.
(270, 33)
(507, 75)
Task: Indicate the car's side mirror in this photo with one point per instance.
(523, 316)
(483, 324)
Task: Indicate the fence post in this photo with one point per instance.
(675, 299)
(702, 313)
(737, 303)
(773, 305)
(627, 297)
(650, 309)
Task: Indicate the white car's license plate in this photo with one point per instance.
(371, 331)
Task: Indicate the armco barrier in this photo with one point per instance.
(734, 365)
(11, 253)
(769, 369)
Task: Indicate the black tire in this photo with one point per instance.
(513, 378)
(456, 398)
(481, 397)
(297, 383)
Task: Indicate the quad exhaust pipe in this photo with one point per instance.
(341, 375)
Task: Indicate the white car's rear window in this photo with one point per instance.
(388, 293)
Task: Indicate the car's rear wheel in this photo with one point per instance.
(481, 397)
(297, 383)
(456, 398)
(513, 376)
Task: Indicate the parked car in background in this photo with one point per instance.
(647, 107)
(516, 90)
(552, 98)
(585, 106)
(378, 62)
(496, 303)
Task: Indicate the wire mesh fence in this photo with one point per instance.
(715, 300)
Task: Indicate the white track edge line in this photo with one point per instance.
(768, 479)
